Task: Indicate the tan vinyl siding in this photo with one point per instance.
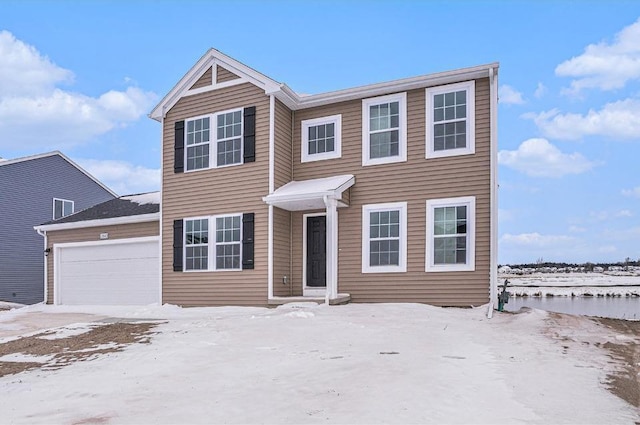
(283, 164)
(223, 74)
(204, 81)
(134, 230)
(414, 181)
(282, 253)
(227, 190)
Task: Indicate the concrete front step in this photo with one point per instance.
(340, 299)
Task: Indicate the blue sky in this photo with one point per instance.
(81, 77)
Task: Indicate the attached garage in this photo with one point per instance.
(108, 254)
(118, 272)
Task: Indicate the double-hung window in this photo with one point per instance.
(62, 208)
(450, 234)
(384, 129)
(384, 238)
(450, 120)
(321, 138)
(208, 147)
(213, 243)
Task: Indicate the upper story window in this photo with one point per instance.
(384, 129)
(321, 138)
(450, 234)
(450, 117)
(384, 238)
(226, 148)
(62, 208)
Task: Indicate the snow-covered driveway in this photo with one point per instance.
(359, 363)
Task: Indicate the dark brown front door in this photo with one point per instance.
(317, 251)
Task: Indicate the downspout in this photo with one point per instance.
(293, 119)
(160, 239)
(272, 120)
(493, 257)
(43, 233)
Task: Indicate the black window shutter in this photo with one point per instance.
(247, 241)
(250, 134)
(178, 161)
(177, 245)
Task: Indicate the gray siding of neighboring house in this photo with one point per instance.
(27, 190)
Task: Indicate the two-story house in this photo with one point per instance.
(33, 190)
(379, 193)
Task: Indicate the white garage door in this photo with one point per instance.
(115, 272)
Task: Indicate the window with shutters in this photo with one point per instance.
(214, 140)
(384, 129)
(450, 120)
(450, 234)
(213, 243)
(321, 138)
(62, 208)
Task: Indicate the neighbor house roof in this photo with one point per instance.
(297, 101)
(6, 162)
(125, 209)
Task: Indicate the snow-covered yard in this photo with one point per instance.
(358, 363)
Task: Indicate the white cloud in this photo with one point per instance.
(607, 249)
(535, 240)
(624, 213)
(577, 229)
(616, 120)
(608, 215)
(36, 112)
(509, 95)
(541, 90)
(123, 177)
(539, 158)
(633, 193)
(605, 66)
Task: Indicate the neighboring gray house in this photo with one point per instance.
(35, 190)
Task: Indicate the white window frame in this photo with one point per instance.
(402, 256)
(336, 120)
(53, 213)
(213, 140)
(430, 92)
(470, 203)
(401, 98)
(211, 245)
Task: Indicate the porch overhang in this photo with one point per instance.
(311, 194)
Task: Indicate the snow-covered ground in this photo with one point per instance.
(572, 284)
(358, 363)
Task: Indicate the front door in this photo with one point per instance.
(317, 252)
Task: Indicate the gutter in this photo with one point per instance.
(493, 248)
(43, 233)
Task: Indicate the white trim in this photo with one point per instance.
(272, 142)
(46, 265)
(66, 158)
(211, 244)
(129, 219)
(58, 246)
(213, 140)
(401, 98)
(53, 213)
(470, 203)
(160, 212)
(270, 254)
(336, 120)
(215, 86)
(310, 291)
(493, 118)
(332, 249)
(402, 260)
(470, 148)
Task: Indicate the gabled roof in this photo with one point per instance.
(296, 101)
(61, 155)
(309, 194)
(125, 209)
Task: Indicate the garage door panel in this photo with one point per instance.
(109, 274)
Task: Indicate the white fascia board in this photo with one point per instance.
(210, 58)
(29, 158)
(405, 84)
(130, 219)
